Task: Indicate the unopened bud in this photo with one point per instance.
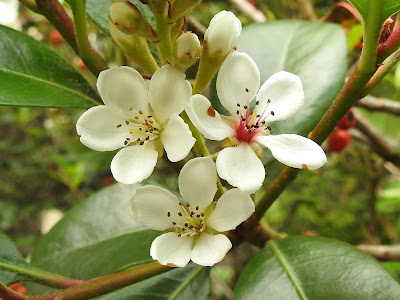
(187, 50)
(188, 44)
(222, 34)
(128, 19)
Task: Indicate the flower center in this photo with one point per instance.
(251, 122)
(188, 222)
(141, 129)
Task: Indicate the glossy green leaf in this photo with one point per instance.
(100, 237)
(390, 7)
(103, 224)
(314, 268)
(31, 74)
(10, 259)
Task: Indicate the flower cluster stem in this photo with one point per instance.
(105, 284)
(348, 96)
(90, 57)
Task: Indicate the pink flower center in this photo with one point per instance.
(249, 122)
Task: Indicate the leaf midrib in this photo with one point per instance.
(89, 244)
(50, 83)
(289, 271)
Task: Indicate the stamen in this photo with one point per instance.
(119, 125)
(168, 214)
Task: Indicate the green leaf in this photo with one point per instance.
(390, 7)
(103, 224)
(100, 237)
(10, 259)
(31, 74)
(314, 268)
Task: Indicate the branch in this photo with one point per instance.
(56, 14)
(380, 104)
(382, 145)
(382, 252)
(249, 10)
(105, 284)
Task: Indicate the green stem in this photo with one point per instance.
(106, 284)
(349, 95)
(90, 57)
(207, 69)
(383, 70)
(44, 277)
(8, 294)
(165, 44)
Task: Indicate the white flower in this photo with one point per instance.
(222, 33)
(196, 225)
(126, 120)
(279, 98)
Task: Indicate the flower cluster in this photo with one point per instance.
(145, 120)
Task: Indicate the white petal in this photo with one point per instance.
(198, 182)
(177, 138)
(238, 81)
(210, 249)
(286, 94)
(294, 150)
(233, 208)
(222, 33)
(134, 163)
(207, 120)
(171, 250)
(169, 92)
(241, 167)
(155, 207)
(123, 88)
(98, 128)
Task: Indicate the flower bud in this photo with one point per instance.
(135, 47)
(187, 50)
(128, 19)
(188, 44)
(222, 33)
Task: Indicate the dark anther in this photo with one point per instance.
(272, 113)
(119, 125)
(180, 214)
(247, 90)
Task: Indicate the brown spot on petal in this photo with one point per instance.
(304, 166)
(172, 265)
(211, 111)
